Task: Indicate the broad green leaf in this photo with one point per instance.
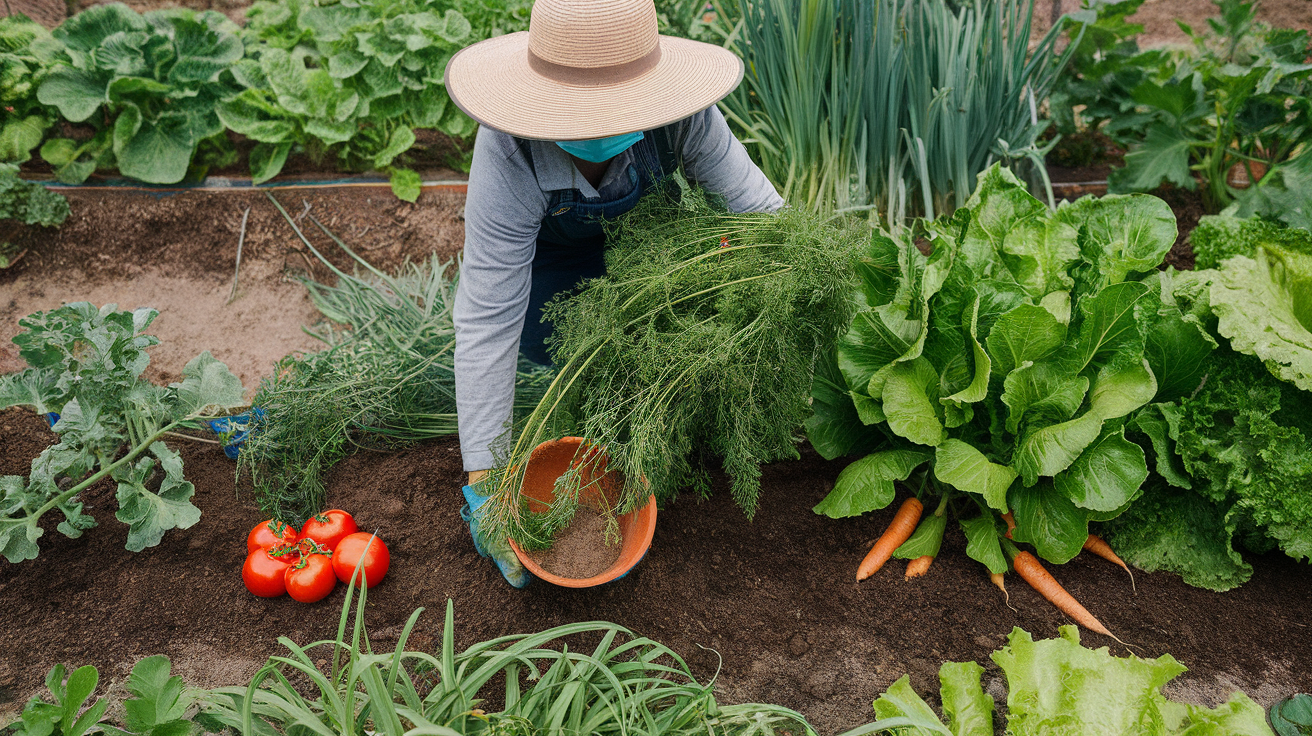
(1041, 394)
(875, 339)
(834, 429)
(1163, 156)
(18, 529)
(203, 51)
(18, 136)
(908, 404)
(87, 30)
(160, 152)
(867, 484)
(1121, 387)
(1026, 333)
(1049, 521)
(983, 544)
(151, 514)
(1119, 236)
(978, 388)
(926, 540)
(77, 93)
(1052, 449)
(406, 184)
(1264, 309)
(999, 206)
(968, 709)
(1177, 348)
(401, 140)
(207, 386)
(1038, 253)
(1058, 304)
(80, 685)
(1108, 325)
(868, 410)
(34, 388)
(1056, 686)
(1107, 476)
(900, 700)
(251, 115)
(267, 159)
(1293, 716)
(330, 132)
(126, 127)
(346, 64)
(965, 468)
(160, 700)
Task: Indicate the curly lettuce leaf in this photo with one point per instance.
(1176, 530)
(968, 709)
(1264, 307)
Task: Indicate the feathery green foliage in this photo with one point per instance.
(698, 344)
(387, 381)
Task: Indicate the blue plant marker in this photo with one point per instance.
(52, 417)
(234, 430)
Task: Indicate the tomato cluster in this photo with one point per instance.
(307, 565)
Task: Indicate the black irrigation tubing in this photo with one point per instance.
(237, 184)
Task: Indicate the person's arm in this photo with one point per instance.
(714, 158)
(503, 212)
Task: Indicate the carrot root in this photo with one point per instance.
(1032, 571)
(998, 580)
(1098, 546)
(1011, 524)
(918, 567)
(899, 530)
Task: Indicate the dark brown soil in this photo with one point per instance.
(580, 549)
(775, 598)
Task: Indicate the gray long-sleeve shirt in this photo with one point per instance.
(504, 209)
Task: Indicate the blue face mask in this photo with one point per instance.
(601, 149)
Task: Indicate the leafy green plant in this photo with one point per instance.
(26, 55)
(626, 684)
(158, 707)
(387, 380)
(28, 203)
(1235, 457)
(85, 365)
(1008, 363)
(65, 716)
(895, 105)
(698, 345)
(1293, 716)
(148, 85)
(1059, 686)
(1242, 97)
(1218, 237)
(348, 81)
(1284, 194)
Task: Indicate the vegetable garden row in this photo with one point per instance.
(926, 330)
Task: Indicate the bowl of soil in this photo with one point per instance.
(580, 556)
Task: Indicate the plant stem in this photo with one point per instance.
(106, 470)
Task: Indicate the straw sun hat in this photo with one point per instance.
(588, 69)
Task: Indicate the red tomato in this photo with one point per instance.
(357, 549)
(264, 574)
(329, 527)
(311, 579)
(270, 533)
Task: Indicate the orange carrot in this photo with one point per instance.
(999, 581)
(1011, 524)
(1096, 545)
(918, 566)
(899, 531)
(1032, 572)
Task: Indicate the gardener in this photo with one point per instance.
(581, 116)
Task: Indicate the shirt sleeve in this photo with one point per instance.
(503, 213)
(715, 159)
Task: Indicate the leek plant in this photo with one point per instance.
(621, 684)
(892, 105)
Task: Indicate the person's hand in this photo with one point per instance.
(498, 549)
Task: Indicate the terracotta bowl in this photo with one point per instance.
(548, 462)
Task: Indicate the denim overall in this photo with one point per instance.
(571, 245)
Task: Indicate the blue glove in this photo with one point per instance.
(499, 551)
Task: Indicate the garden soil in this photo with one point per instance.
(178, 254)
(580, 550)
(770, 604)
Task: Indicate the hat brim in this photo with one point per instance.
(493, 83)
